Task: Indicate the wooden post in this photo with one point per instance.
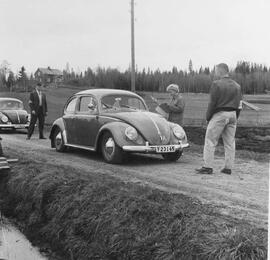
(133, 88)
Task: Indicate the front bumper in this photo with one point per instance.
(151, 148)
(14, 126)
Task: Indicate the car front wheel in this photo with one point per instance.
(111, 152)
(172, 156)
(58, 141)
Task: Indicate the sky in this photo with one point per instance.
(92, 33)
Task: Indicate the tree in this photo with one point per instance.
(243, 67)
(4, 70)
(10, 80)
(67, 69)
(22, 78)
(207, 71)
(22, 73)
(89, 76)
(190, 67)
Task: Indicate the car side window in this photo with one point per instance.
(136, 103)
(71, 106)
(87, 105)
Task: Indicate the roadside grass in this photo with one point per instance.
(252, 141)
(86, 215)
(241, 154)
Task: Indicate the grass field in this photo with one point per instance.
(196, 105)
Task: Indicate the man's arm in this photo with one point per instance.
(45, 104)
(31, 102)
(238, 110)
(178, 107)
(212, 102)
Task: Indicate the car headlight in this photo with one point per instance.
(131, 133)
(4, 118)
(179, 132)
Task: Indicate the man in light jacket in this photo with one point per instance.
(222, 113)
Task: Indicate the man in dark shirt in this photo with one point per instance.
(222, 113)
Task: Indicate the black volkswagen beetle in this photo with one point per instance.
(12, 114)
(116, 122)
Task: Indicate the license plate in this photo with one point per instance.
(19, 126)
(165, 149)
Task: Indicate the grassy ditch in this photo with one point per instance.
(93, 216)
(256, 139)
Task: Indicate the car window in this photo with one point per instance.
(87, 104)
(71, 106)
(121, 102)
(135, 102)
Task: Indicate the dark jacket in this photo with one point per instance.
(176, 110)
(225, 95)
(34, 102)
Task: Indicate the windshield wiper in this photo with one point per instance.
(129, 107)
(106, 105)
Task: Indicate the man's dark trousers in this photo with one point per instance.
(41, 119)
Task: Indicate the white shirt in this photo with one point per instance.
(40, 97)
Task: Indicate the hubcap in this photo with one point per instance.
(58, 140)
(109, 147)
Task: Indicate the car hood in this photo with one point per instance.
(153, 127)
(16, 116)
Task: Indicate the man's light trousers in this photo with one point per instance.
(221, 124)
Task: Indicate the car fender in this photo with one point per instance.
(173, 138)
(117, 129)
(58, 123)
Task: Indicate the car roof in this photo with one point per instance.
(11, 99)
(99, 92)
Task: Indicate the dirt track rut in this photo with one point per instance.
(243, 195)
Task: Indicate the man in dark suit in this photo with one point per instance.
(38, 107)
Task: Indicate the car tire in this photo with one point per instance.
(111, 152)
(172, 157)
(58, 141)
(1, 150)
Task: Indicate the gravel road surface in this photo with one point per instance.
(243, 195)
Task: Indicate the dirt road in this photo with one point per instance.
(243, 195)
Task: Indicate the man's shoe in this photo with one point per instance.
(42, 137)
(226, 171)
(205, 170)
(28, 138)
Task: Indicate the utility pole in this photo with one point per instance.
(132, 49)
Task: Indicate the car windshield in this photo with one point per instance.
(10, 105)
(121, 103)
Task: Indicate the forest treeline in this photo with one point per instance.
(253, 78)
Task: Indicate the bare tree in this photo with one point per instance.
(4, 71)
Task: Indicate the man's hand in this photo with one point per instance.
(205, 124)
(33, 112)
(46, 113)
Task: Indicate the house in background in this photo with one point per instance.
(48, 75)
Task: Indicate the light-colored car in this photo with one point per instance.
(12, 114)
(116, 122)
